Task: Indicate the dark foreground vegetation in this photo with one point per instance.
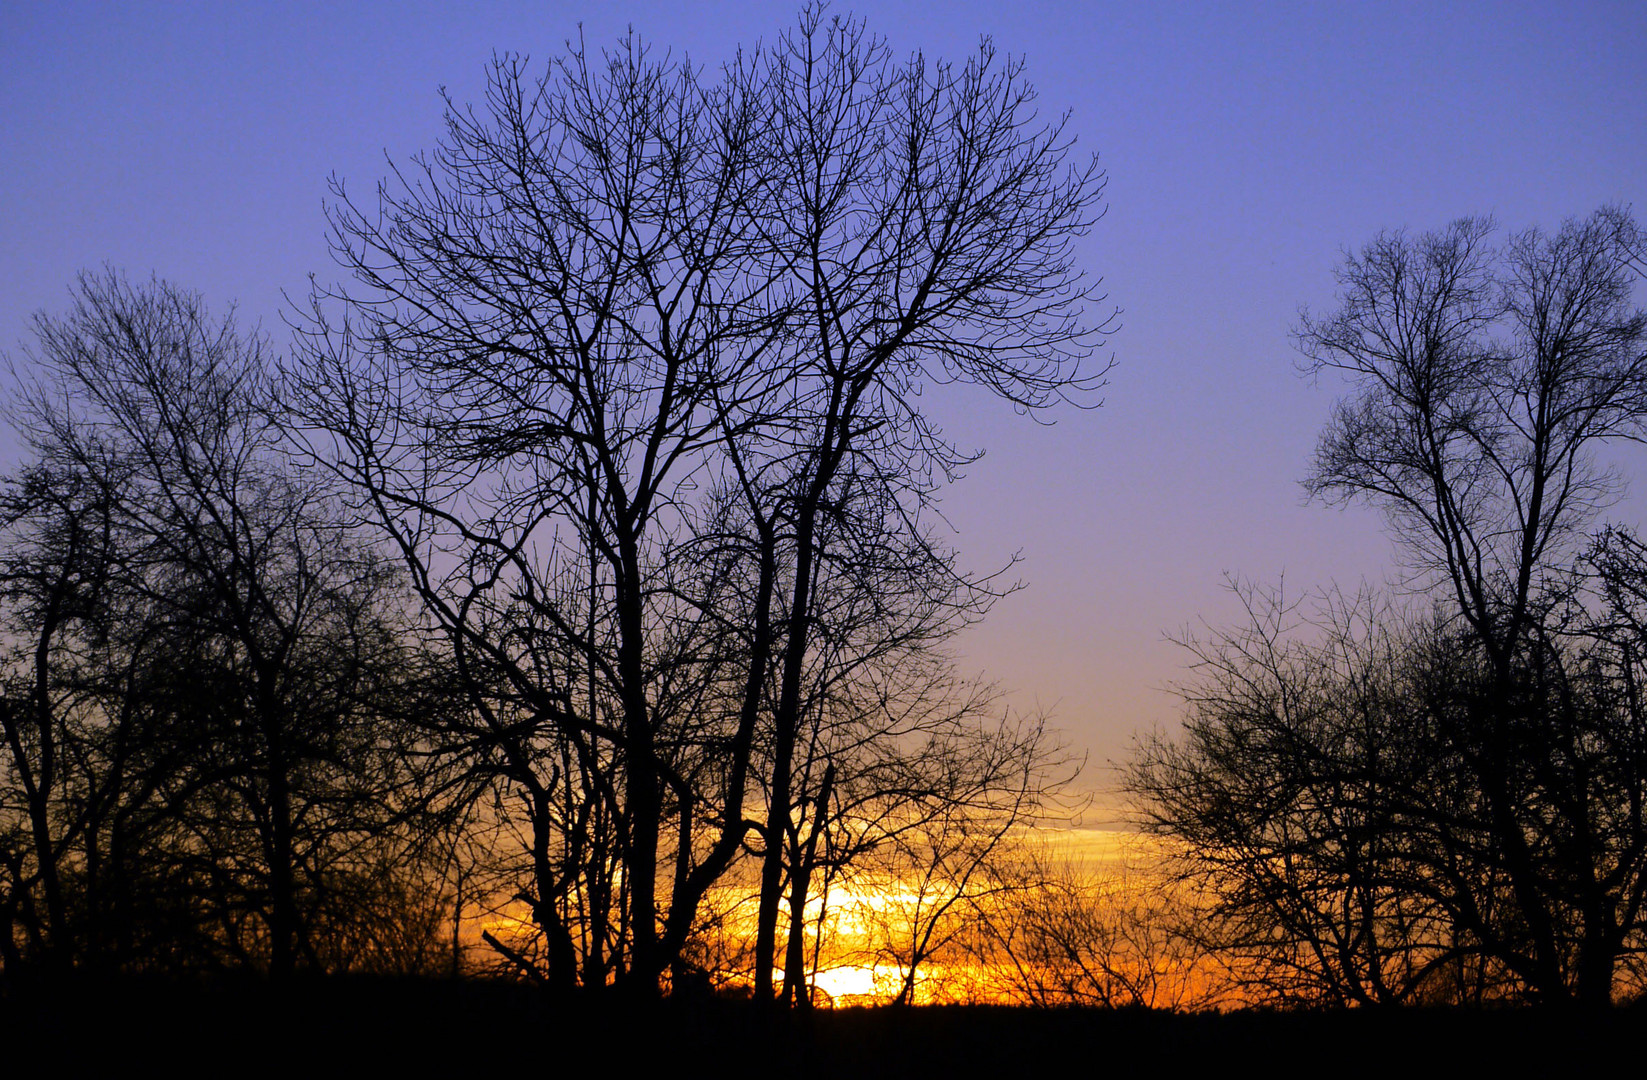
(326, 1024)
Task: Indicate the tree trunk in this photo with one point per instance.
(796, 988)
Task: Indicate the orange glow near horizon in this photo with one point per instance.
(867, 921)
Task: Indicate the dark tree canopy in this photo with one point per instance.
(202, 662)
(1446, 802)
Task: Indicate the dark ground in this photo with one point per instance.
(371, 1028)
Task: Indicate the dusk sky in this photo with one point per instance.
(1246, 147)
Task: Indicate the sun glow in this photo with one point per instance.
(1058, 921)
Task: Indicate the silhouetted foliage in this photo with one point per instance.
(1445, 806)
(203, 665)
(579, 571)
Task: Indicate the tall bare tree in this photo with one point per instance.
(549, 330)
(1450, 796)
(211, 647)
(1485, 380)
(637, 347)
(932, 219)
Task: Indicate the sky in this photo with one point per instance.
(1246, 147)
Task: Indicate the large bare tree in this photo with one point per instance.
(1455, 795)
(628, 371)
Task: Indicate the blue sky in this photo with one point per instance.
(1246, 146)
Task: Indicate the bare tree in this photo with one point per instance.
(1442, 804)
(1485, 379)
(53, 576)
(211, 647)
(1113, 933)
(1293, 800)
(1324, 796)
(627, 375)
(923, 852)
(555, 321)
(931, 220)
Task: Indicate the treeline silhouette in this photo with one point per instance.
(574, 565)
(211, 680)
(1440, 795)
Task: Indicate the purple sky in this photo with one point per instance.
(1246, 146)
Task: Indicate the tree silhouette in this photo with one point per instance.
(201, 745)
(1444, 802)
(636, 347)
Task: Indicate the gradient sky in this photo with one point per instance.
(1246, 145)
